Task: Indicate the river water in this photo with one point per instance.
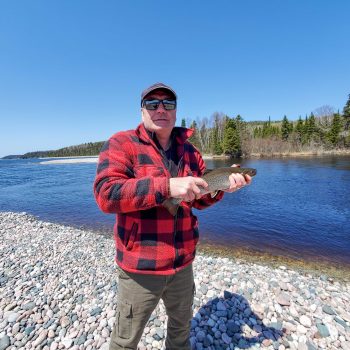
(298, 208)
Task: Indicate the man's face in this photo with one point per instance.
(160, 119)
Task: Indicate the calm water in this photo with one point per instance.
(295, 207)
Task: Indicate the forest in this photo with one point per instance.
(322, 130)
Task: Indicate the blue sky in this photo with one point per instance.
(72, 71)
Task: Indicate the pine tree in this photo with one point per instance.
(346, 114)
(285, 128)
(231, 142)
(306, 132)
(333, 135)
(312, 130)
(194, 138)
(183, 123)
(299, 129)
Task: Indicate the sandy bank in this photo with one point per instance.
(71, 160)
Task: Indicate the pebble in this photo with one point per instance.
(65, 297)
(305, 321)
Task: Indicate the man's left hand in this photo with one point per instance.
(237, 181)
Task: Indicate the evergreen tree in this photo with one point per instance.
(257, 132)
(194, 138)
(312, 129)
(306, 131)
(299, 129)
(285, 128)
(333, 135)
(183, 123)
(346, 114)
(231, 142)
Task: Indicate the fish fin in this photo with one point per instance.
(170, 206)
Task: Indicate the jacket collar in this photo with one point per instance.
(181, 134)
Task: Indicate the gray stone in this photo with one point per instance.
(243, 344)
(217, 335)
(82, 339)
(221, 313)
(200, 336)
(276, 325)
(222, 328)
(96, 311)
(233, 327)
(310, 345)
(211, 322)
(323, 330)
(204, 289)
(29, 330)
(305, 321)
(28, 306)
(328, 310)
(220, 306)
(341, 322)
(12, 317)
(4, 342)
(225, 338)
(199, 346)
(160, 332)
(283, 299)
(194, 323)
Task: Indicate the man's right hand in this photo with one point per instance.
(186, 188)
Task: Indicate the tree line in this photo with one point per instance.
(85, 149)
(322, 130)
(221, 134)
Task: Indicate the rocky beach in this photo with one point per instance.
(59, 290)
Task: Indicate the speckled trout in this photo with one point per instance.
(217, 179)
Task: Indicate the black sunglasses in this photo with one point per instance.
(152, 105)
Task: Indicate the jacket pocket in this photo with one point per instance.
(133, 232)
(124, 320)
(148, 170)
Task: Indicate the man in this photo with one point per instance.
(138, 170)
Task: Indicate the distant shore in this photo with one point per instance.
(319, 153)
(74, 160)
(94, 159)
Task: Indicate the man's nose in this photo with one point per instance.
(161, 108)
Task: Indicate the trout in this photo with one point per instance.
(217, 179)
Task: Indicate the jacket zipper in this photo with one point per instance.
(175, 218)
(175, 221)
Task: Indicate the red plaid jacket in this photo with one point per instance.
(132, 181)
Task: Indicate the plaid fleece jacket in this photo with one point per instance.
(132, 181)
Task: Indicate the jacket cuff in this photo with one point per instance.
(161, 187)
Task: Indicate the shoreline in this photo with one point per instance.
(323, 153)
(318, 267)
(58, 290)
(321, 268)
(73, 160)
(306, 154)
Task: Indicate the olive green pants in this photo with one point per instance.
(138, 296)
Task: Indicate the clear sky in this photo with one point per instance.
(72, 71)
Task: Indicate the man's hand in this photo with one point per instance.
(186, 188)
(237, 181)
